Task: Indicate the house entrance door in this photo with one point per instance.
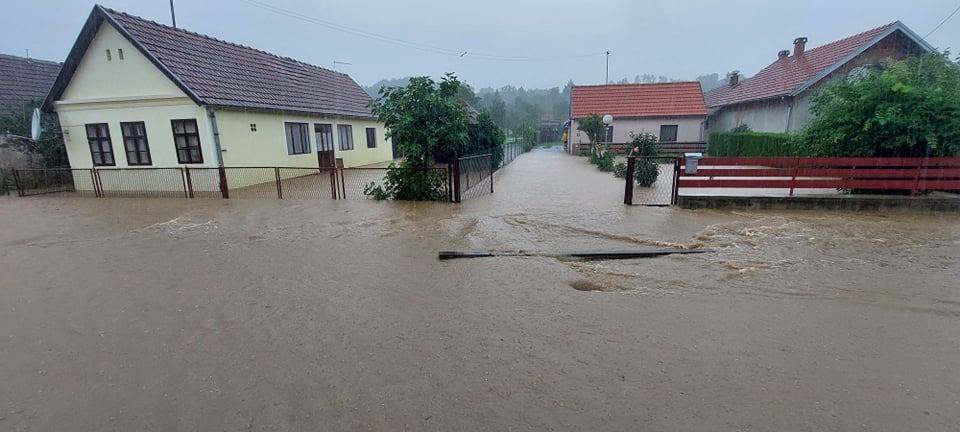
(325, 155)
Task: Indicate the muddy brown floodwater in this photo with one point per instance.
(171, 314)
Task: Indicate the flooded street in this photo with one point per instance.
(175, 314)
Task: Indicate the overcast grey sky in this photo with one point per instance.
(676, 38)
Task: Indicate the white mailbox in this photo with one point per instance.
(693, 160)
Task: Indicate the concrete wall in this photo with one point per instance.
(689, 129)
(765, 116)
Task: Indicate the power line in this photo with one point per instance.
(943, 22)
(409, 44)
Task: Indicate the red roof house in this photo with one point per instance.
(672, 111)
(776, 99)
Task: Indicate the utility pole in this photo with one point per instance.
(608, 65)
(173, 15)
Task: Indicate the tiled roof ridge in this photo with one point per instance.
(637, 84)
(861, 34)
(31, 59)
(201, 35)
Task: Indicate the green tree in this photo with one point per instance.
(498, 110)
(595, 129)
(486, 137)
(426, 119)
(49, 150)
(907, 107)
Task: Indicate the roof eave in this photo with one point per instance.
(897, 26)
(654, 116)
(279, 110)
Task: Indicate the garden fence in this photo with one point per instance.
(464, 178)
(914, 174)
(662, 191)
(333, 183)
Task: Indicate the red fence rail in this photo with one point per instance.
(913, 174)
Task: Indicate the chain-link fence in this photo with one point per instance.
(510, 152)
(61, 181)
(237, 182)
(473, 177)
(651, 181)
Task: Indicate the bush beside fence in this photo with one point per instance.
(755, 144)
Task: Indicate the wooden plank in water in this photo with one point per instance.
(587, 255)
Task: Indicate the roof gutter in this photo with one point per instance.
(211, 113)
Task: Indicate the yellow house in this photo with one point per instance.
(137, 94)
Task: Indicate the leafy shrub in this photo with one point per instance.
(604, 161)
(409, 184)
(756, 144)
(620, 170)
(646, 144)
(528, 133)
(647, 172)
(908, 107)
(5, 182)
(647, 148)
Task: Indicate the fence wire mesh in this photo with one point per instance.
(510, 152)
(141, 182)
(661, 191)
(476, 176)
(61, 181)
(236, 182)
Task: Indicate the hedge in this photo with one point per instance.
(755, 144)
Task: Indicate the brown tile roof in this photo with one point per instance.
(219, 73)
(792, 74)
(639, 100)
(24, 80)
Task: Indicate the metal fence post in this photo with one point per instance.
(676, 180)
(16, 180)
(276, 172)
(628, 181)
(183, 180)
(343, 180)
(224, 188)
(186, 171)
(456, 180)
(793, 179)
(333, 182)
(491, 173)
(98, 183)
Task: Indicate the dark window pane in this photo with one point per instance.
(668, 133)
(187, 141)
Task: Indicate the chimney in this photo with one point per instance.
(798, 45)
(733, 78)
(783, 54)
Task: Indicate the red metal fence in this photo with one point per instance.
(866, 173)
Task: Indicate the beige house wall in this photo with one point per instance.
(132, 89)
(267, 146)
(689, 129)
